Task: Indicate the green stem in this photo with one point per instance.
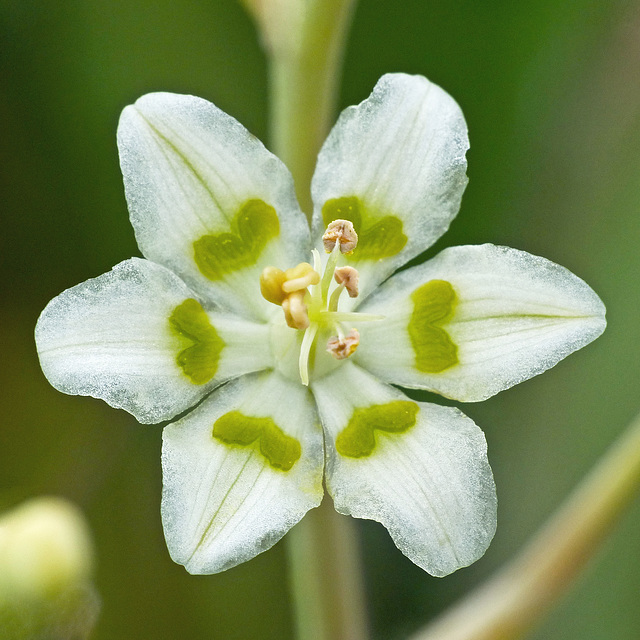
(510, 603)
(305, 43)
(324, 568)
(304, 82)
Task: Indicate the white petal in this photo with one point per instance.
(431, 486)
(516, 315)
(111, 338)
(188, 170)
(223, 504)
(401, 152)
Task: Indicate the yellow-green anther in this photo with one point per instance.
(300, 278)
(289, 289)
(271, 281)
(295, 310)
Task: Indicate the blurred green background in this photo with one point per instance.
(551, 92)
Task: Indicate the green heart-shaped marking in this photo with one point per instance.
(255, 224)
(358, 440)
(199, 362)
(377, 237)
(433, 305)
(280, 450)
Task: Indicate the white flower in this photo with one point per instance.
(215, 216)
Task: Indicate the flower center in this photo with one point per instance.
(310, 305)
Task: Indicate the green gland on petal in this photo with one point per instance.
(280, 450)
(358, 438)
(199, 361)
(434, 303)
(255, 224)
(378, 236)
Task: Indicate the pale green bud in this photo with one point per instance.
(45, 548)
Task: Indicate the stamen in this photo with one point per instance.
(288, 289)
(305, 350)
(351, 316)
(330, 267)
(335, 296)
(317, 263)
(341, 347)
(308, 305)
(295, 310)
(300, 277)
(315, 291)
(271, 281)
(340, 232)
(348, 277)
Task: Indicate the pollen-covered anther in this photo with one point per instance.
(300, 277)
(295, 310)
(348, 277)
(344, 346)
(288, 289)
(271, 281)
(340, 232)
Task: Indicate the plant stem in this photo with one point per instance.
(511, 602)
(304, 82)
(324, 566)
(305, 44)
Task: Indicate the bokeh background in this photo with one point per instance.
(551, 92)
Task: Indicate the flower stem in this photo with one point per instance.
(305, 43)
(511, 602)
(304, 81)
(324, 566)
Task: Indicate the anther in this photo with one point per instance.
(348, 277)
(300, 277)
(340, 232)
(341, 347)
(271, 281)
(288, 289)
(295, 310)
